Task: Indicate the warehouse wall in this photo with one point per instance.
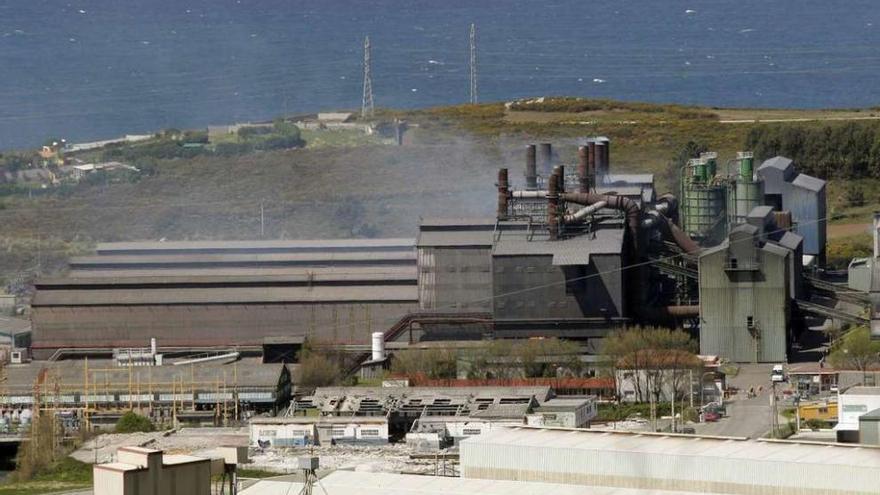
(208, 325)
(455, 278)
(728, 298)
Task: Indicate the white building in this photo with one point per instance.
(851, 404)
(565, 412)
(630, 460)
(324, 430)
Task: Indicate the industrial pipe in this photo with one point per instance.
(583, 169)
(529, 194)
(581, 214)
(553, 206)
(531, 167)
(503, 193)
(630, 208)
(546, 157)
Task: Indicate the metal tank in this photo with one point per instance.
(745, 193)
(703, 205)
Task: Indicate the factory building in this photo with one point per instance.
(803, 196)
(746, 286)
(220, 294)
(657, 461)
(326, 430)
(852, 404)
(454, 261)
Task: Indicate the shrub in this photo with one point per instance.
(132, 422)
(815, 424)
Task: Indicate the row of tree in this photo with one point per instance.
(848, 150)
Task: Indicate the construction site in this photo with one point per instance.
(210, 332)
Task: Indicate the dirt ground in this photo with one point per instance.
(847, 229)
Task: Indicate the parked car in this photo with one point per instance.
(711, 417)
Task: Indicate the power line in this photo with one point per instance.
(367, 100)
(473, 63)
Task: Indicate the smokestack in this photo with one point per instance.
(606, 159)
(591, 162)
(378, 346)
(545, 155)
(583, 168)
(600, 159)
(553, 206)
(531, 168)
(876, 234)
(503, 193)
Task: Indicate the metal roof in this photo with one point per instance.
(571, 251)
(268, 245)
(564, 404)
(789, 240)
(315, 277)
(808, 182)
(777, 162)
(242, 259)
(459, 238)
(862, 391)
(681, 445)
(442, 222)
(366, 483)
(610, 179)
(220, 272)
(498, 411)
(255, 295)
(540, 393)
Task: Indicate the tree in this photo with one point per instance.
(131, 422)
(856, 350)
(430, 363)
(318, 368)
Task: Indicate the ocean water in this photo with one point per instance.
(93, 69)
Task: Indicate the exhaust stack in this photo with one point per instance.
(584, 168)
(531, 167)
(545, 155)
(503, 193)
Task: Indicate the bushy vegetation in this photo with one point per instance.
(840, 150)
(855, 351)
(578, 105)
(430, 363)
(320, 367)
(131, 422)
(841, 251)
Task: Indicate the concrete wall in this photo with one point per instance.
(728, 298)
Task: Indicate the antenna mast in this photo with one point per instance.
(367, 101)
(473, 47)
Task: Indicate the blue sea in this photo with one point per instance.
(94, 69)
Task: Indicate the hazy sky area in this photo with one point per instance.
(100, 68)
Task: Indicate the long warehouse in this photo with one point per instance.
(212, 294)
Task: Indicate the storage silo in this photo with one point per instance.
(703, 204)
(745, 191)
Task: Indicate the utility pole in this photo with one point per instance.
(262, 221)
(473, 63)
(367, 101)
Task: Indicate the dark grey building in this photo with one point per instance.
(536, 278)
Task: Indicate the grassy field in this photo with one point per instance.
(66, 474)
(352, 185)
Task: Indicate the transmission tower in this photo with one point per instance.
(367, 102)
(473, 46)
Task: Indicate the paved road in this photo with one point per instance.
(745, 417)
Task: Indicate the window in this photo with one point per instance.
(269, 433)
(733, 263)
(823, 410)
(370, 433)
(337, 432)
(471, 431)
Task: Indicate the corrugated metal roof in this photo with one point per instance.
(254, 295)
(450, 238)
(435, 222)
(293, 245)
(688, 445)
(572, 251)
(808, 182)
(628, 179)
(777, 162)
(541, 393)
(254, 271)
(366, 483)
(316, 277)
(790, 240)
(242, 259)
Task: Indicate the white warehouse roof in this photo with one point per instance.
(674, 462)
(364, 483)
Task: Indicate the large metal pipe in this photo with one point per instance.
(581, 214)
(545, 156)
(503, 193)
(528, 194)
(553, 206)
(531, 167)
(583, 169)
(601, 166)
(630, 208)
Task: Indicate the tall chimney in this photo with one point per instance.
(545, 155)
(559, 172)
(877, 234)
(531, 168)
(600, 159)
(503, 192)
(591, 162)
(583, 167)
(552, 206)
(606, 159)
